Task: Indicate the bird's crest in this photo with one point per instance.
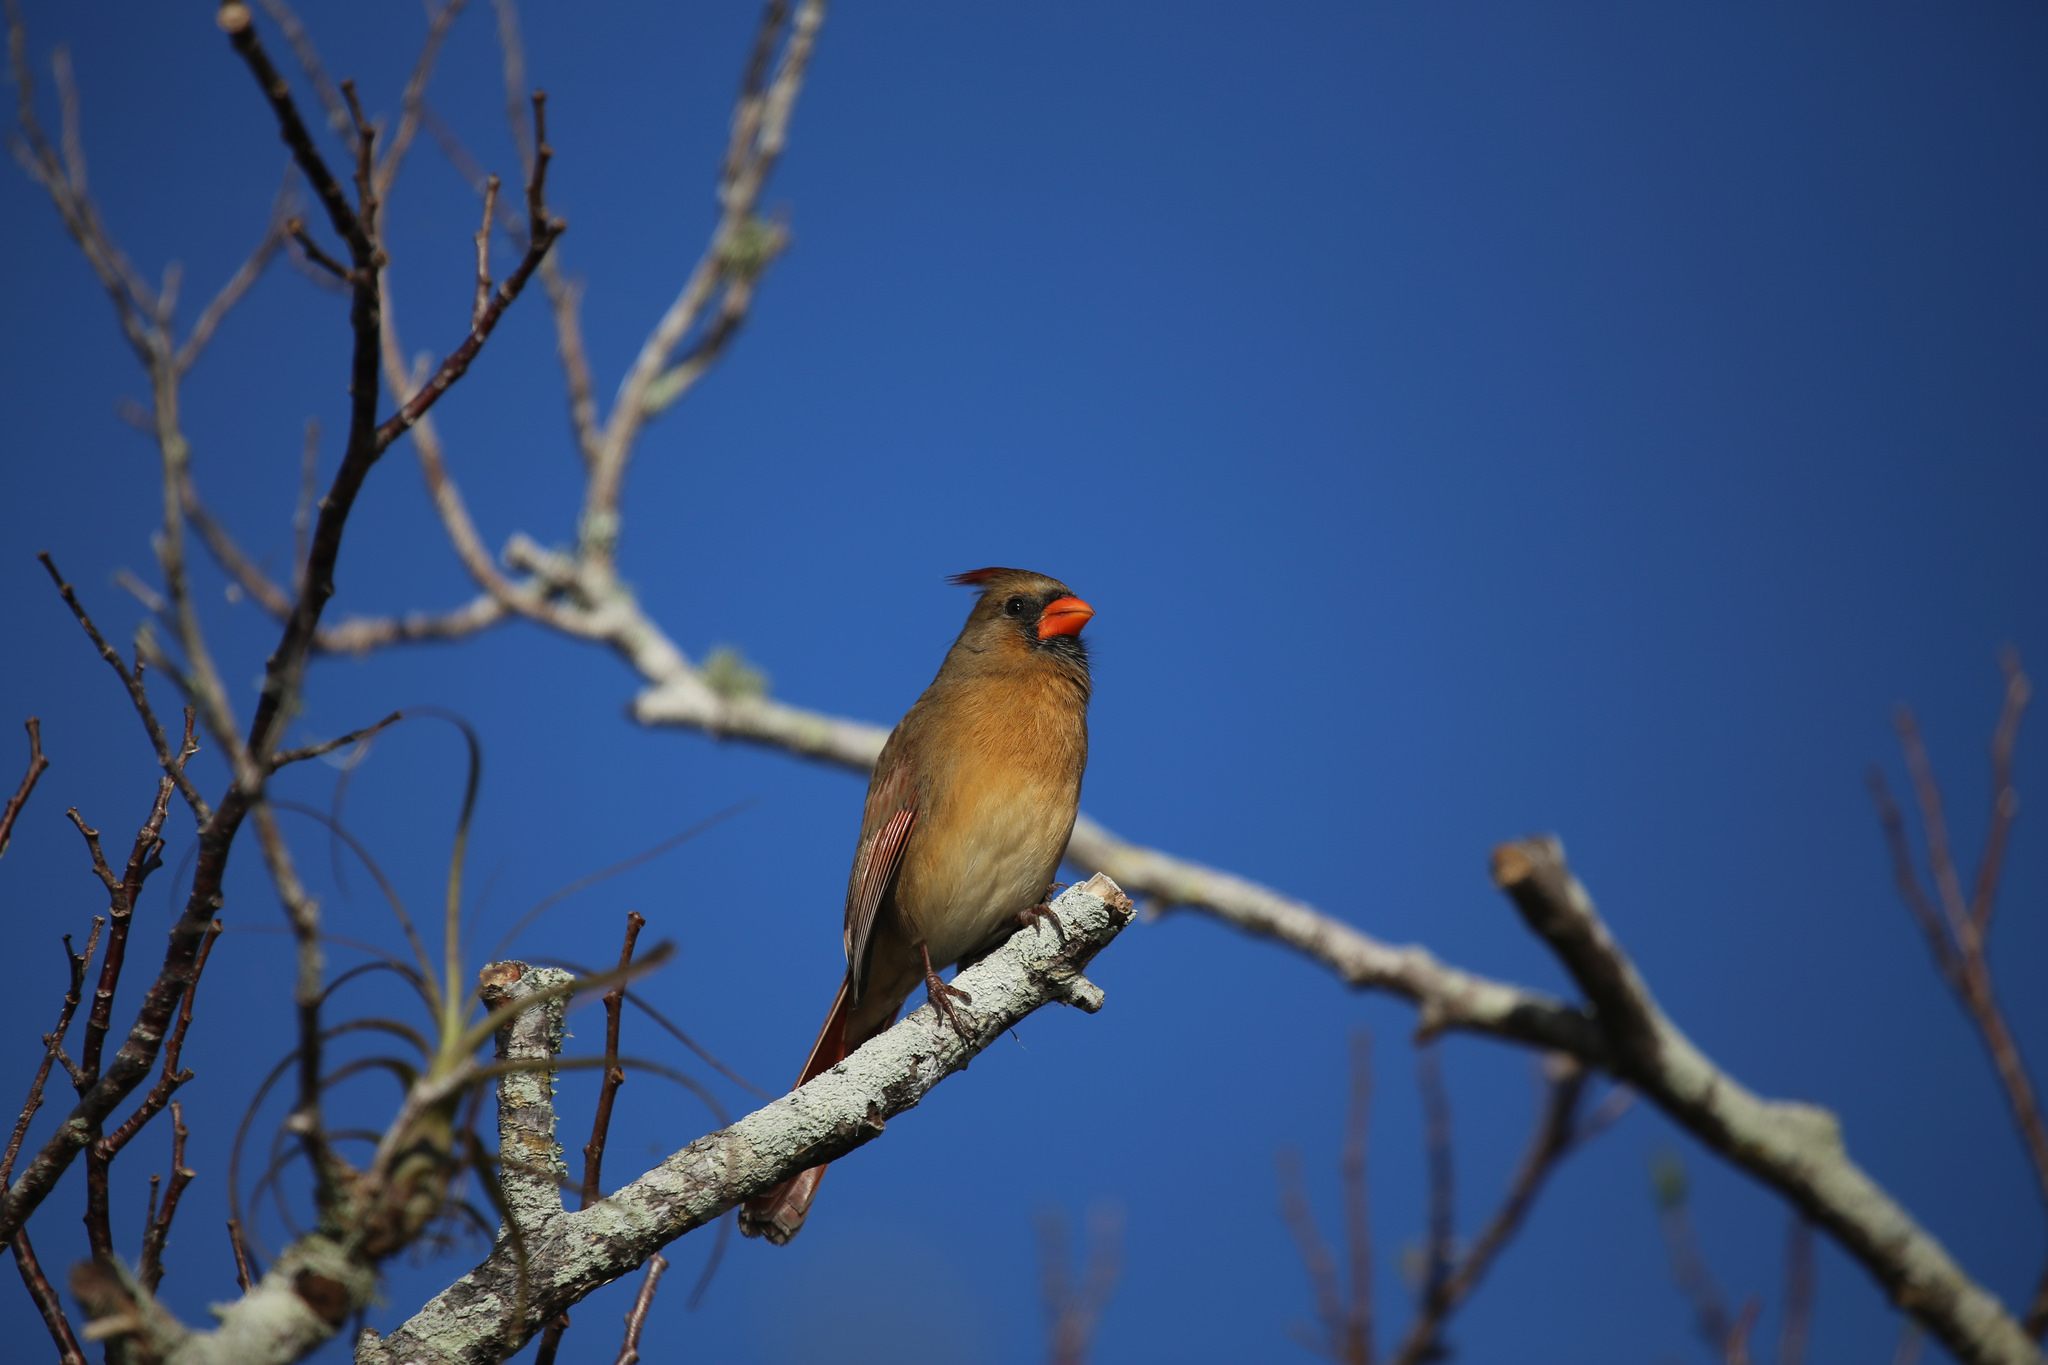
(975, 578)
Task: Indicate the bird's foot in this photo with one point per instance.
(942, 995)
(1032, 915)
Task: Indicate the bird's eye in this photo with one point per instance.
(1015, 606)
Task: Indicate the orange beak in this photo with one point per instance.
(1063, 616)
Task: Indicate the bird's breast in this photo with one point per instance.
(993, 822)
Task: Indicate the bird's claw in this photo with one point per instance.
(942, 995)
(1032, 915)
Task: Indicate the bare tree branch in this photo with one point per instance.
(1796, 1149)
(53, 1043)
(248, 758)
(1956, 928)
(740, 248)
(1555, 1134)
(558, 1257)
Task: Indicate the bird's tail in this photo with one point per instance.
(779, 1213)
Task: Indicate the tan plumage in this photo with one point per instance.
(967, 818)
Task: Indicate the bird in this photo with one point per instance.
(968, 814)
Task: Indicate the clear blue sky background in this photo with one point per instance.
(1467, 419)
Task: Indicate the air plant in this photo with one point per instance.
(408, 1184)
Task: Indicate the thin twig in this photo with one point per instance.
(230, 556)
(243, 1275)
(36, 764)
(1316, 1258)
(359, 635)
(174, 1074)
(53, 1042)
(1907, 880)
(1957, 932)
(315, 254)
(236, 22)
(740, 247)
(47, 1301)
(565, 296)
(308, 56)
(636, 1320)
(458, 360)
(505, 597)
(614, 1075)
(328, 746)
(1345, 1308)
(61, 174)
(123, 892)
(238, 284)
(483, 254)
(1934, 822)
(413, 101)
(151, 1267)
(2005, 801)
(138, 697)
(1552, 1137)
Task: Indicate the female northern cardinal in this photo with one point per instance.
(967, 818)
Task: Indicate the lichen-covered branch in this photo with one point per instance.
(530, 1173)
(489, 1313)
(1794, 1148)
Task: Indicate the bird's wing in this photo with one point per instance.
(885, 829)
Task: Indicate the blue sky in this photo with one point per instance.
(1467, 420)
